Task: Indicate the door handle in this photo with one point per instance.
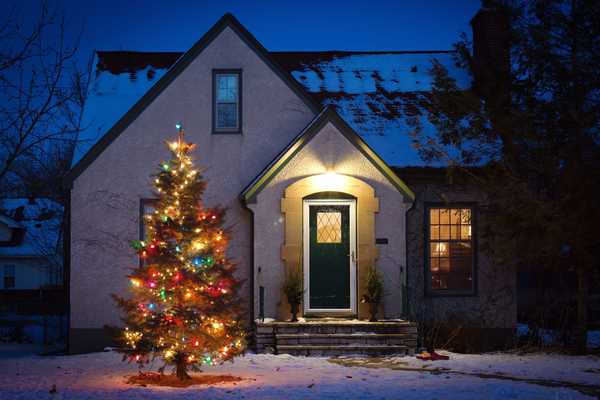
(352, 256)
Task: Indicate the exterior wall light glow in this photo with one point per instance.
(330, 182)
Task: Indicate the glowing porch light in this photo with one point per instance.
(330, 181)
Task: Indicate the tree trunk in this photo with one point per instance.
(580, 337)
(181, 369)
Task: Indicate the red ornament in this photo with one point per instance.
(213, 291)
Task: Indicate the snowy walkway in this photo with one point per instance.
(101, 376)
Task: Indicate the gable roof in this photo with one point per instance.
(249, 194)
(375, 92)
(227, 20)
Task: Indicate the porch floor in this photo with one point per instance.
(335, 336)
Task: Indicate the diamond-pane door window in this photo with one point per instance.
(329, 227)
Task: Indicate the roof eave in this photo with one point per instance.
(250, 193)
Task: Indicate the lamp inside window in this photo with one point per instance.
(450, 249)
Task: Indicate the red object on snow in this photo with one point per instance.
(433, 356)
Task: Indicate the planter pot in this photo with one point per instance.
(294, 311)
(373, 307)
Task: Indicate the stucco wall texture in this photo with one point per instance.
(329, 151)
(493, 306)
(105, 198)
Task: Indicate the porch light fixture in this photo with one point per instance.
(330, 181)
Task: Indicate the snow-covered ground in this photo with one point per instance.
(101, 376)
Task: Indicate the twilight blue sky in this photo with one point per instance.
(279, 25)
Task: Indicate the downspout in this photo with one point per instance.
(67, 264)
(405, 296)
(252, 278)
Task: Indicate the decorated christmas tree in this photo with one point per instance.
(184, 307)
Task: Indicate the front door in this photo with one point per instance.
(329, 257)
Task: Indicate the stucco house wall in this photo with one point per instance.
(105, 197)
(328, 151)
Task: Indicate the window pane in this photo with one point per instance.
(439, 249)
(454, 232)
(465, 216)
(9, 276)
(434, 232)
(329, 227)
(455, 216)
(227, 88)
(460, 249)
(9, 270)
(434, 216)
(444, 216)
(465, 232)
(460, 277)
(444, 264)
(445, 232)
(435, 264)
(227, 115)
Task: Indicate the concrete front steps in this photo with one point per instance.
(336, 337)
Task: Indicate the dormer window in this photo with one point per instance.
(227, 104)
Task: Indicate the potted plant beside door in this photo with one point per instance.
(374, 292)
(292, 288)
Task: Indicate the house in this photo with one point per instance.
(31, 267)
(310, 153)
(30, 252)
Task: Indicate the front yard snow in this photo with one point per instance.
(488, 376)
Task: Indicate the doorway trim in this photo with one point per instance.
(352, 259)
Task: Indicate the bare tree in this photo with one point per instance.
(41, 99)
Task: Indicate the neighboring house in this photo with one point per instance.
(30, 253)
(299, 147)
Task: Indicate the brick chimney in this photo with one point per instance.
(491, 46)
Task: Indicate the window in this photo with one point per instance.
(329, 227)
(450, 247)
(227, 112)
(9, 276)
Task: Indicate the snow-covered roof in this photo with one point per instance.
(41, 219)
(374, 92)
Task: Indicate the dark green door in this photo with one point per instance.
(329, 257)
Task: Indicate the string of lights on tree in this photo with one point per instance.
(184, 306)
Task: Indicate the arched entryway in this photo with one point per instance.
(343, 209)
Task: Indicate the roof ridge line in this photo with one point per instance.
(363, 51)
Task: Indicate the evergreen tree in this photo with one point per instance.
(184, 306)
(530, 127)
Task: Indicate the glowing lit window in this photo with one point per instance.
(329, 227)
(451, 250)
